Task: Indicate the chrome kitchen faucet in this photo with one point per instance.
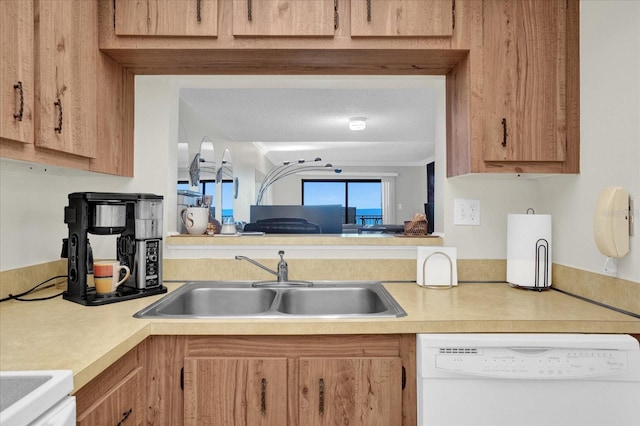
(283, 270)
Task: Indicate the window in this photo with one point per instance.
(207, 187)
(361, 199)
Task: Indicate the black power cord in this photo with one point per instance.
(19, 296)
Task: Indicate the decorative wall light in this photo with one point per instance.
(289, 168)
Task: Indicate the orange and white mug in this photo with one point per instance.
(106, 274)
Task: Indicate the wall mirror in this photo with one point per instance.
(266, 121)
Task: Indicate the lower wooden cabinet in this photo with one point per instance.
(356, 380)
(118, 407)
(235, 391)
(116, 396)
(281, 380)
(350, 391)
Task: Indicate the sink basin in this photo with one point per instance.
(331, 301)
(201, 300)
(225, 299)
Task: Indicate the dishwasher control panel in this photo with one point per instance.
(531, 363)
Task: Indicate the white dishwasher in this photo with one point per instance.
(528, 379)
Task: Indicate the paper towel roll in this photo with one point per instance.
(529, 250)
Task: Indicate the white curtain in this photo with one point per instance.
(389, 200)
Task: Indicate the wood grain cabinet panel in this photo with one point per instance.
(235, 391)
(119, 406)
(166, 17)
(283, 18)
(513, 103)
(63, 102)
(350, 391)
(404, 18)
(67, 39)
(16, 71)
(524, 80)
(281, 380)
(116, 396)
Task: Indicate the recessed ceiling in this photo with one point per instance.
(289, 117)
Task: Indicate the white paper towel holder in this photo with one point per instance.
(542, 249)
(541, 255)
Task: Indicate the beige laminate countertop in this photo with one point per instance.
(57, 334)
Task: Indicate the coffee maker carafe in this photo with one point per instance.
(137, 219)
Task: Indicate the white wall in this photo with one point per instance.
(609, 133)
(32, 200)
(33, 197)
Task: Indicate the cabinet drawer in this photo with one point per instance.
(120, 405)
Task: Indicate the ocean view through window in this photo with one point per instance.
(362, 199)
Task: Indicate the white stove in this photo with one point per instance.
(37, 398)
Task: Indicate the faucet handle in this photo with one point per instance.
(283, 268)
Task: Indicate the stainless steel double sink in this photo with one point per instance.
(239, 299)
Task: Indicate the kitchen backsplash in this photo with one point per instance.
(612, 291)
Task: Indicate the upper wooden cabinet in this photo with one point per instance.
(513, 102)
(52, 109)
(16, 72)
(524, 80)
(403, 18)
(68, 39)
(166, 17)
(283, 18)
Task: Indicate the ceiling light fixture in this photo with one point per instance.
(357, 123)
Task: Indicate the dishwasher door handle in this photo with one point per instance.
(529, 350)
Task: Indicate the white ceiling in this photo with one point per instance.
(292, 117)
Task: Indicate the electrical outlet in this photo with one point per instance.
(466, 212)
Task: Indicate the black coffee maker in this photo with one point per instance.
(137, 218)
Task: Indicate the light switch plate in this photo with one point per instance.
(466, 212)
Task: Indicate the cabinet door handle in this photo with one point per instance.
(249, 11)
(125, 416)
(504, 132)
(321, 398)
(263, 396)
(58, 105)
(368, 10)
(18, 115)
(198, 17)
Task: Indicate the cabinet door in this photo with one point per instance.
(283, 18)
(235, 391)
(68, 44)
(120, 406)
(524, 80)
(362, 391)
(16, 71)
(401, 18)
(166, 17)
